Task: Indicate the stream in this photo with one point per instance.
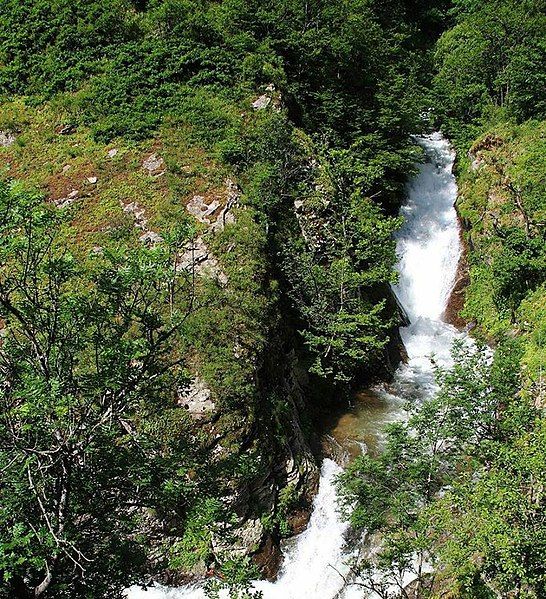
(429, 249)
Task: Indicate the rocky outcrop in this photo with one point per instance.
(196, 399)
(456, 301)
(154, 165)
(148, 237)
(7, 139)
(271, 98)
(199, 260)
(215, 214)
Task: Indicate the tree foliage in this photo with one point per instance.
(443, 492)
(90, 433)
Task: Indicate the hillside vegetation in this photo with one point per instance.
(197, 210)
(460, 486)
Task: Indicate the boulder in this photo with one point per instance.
(6, 139)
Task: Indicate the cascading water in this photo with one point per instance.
(429, 249)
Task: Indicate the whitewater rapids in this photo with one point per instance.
(429, 249)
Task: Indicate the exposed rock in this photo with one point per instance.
(68, 200)
(66, 168)
(475, 164)
(113, 152)
(238, 542)
(150, 238)
(262, 102)
(196, 399)
(268, 558)
(67, 129)
(92, 180)
(141, 222)
(226, 215)
(270, 98)
(486, 144)
(153, 164)
(197, 257)
(198, 207)
(457, 296)
(6, 139)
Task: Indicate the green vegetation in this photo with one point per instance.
(490, 66)
(120, 118)
(88, 434)
(457, 496)
(458, 488)
(195, 190)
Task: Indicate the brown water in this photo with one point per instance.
(359, 426)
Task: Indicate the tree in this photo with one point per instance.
(90, 431)
(335, 288)
(450, 439)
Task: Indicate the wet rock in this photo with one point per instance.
(268, 558)
(196, 399)
(6, 139)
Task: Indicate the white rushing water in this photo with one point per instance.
(429, 249)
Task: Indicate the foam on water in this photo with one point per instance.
(429, 249)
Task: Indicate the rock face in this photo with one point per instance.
(202, 211)
(244, 540)
(196, 399)
(262, 102)
(457, 296)
(198, 259)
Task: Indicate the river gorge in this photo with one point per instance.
(428, 246)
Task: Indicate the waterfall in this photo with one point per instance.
(429, 249)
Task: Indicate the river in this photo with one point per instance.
(429, 249)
